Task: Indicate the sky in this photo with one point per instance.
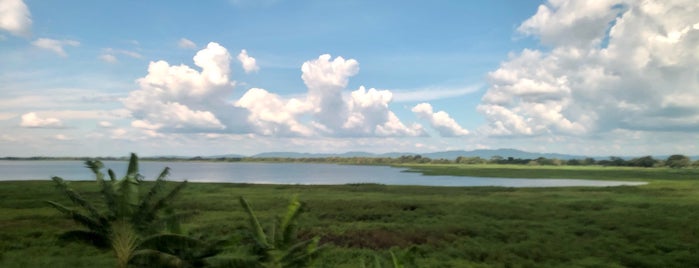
(202, 78)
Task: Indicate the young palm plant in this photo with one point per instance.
(132, 223)
(279, 247)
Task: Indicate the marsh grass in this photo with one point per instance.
(646, 226)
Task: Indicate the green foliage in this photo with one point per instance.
(284, 250)
(677, 161)
(128, 216)
(648, 226)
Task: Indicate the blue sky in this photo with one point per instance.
(611, 77)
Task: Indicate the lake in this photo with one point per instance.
(275, 173)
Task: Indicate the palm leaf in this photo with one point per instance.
(258, 232)
(288, 224)
(158, 186)
(163, 202)
(394, 260)
(190, 250)
(95, 166)
(94, 225)
(112, 176)
(77, 199)
(132, 170)
(110, 197)
(301, 254)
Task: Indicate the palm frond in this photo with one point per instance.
(95, 166)
(127, 191)
(112, 176)
(163, 202)
(288, 224)
(95, 225)
(158, 186)
(256, 228)
(77, 199)
(189, 249)
(394, 260)
(132, 170)
(124, 242)
(303, 253)
(110, 198)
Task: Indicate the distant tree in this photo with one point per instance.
(677, 161)
(496, 159)
(646, 161)
(573, 162)
(589, 161)
(614, 161)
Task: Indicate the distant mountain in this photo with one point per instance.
(486, 154)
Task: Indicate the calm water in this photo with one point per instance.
(274, 173)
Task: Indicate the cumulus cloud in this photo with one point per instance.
(186, 43)
(272, 115)
(326, 109)
(249, 63)
(54, 45)
(32, 120)
(180, 98)
(15, 17)
(441, 121)
(609, 64)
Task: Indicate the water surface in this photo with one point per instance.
(276, 173)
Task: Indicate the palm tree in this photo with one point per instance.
(278, 247)
(132, 223)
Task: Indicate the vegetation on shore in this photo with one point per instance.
(645, 226)
(673, 161)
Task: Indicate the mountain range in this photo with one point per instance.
(484, 153)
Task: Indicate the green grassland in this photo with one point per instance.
(655, 225)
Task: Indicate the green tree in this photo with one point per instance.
(677, 161)
(132, 223)
(646, 161)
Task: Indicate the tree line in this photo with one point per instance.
(673, 161)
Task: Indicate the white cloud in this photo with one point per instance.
(249, 63)
(109, 54)
(612, 64)
(326, 110)
(325, 80)
(186, 43)
(15, 17)
(32, 120)
(272, 115)
(105, 124)
(109, 58)
(441, 121)
(55, 45)
(61, 137)
(579, 23)
(432, 93)
(179, 98)
(368, 114)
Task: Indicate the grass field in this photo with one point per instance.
(654, 225)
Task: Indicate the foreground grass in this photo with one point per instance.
(550, 172)
(648, 226)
